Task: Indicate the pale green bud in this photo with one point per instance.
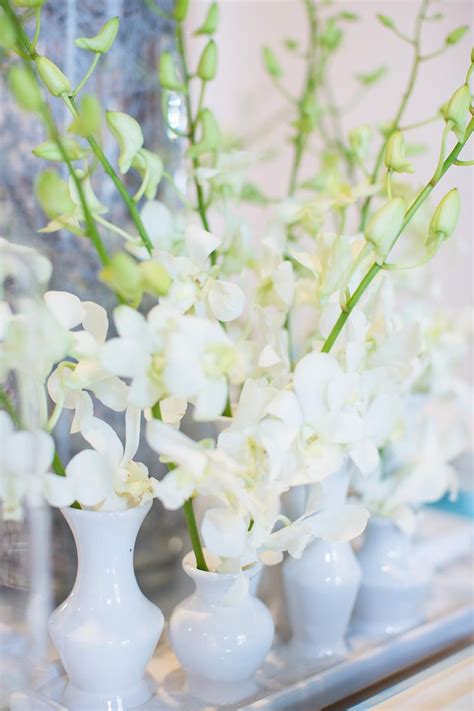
(49, 150)
(92, 201)
(7, 32)
(386, 21)
(384, 227)
(167, 73)
(209, 26)
(103, 40)
(456, 35)
(128, 134)
(155, 278)
(53, 194)
(24, 88)
(457, 110)
(149, 165)
(207, 66)
(271, 63)
(181, 9)
(124, 277)
(88, 122)
(332, 36)
(395, 154)
(54, 80)
(445, 218)
(359, 139)
(210, 138)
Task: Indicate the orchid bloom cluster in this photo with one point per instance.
(276, 332)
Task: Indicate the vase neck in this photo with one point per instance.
(218, 589)
(336, 486)
(383, 534)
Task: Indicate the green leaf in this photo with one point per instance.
(456, 35)
(271, 63)
(53, 194)
(209, 26)
(103, 40)
(49, 150)
(128, 134)
(386, 21)
(370, 78)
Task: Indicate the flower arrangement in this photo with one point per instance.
(289, 341)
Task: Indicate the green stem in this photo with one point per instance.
(401, 109)
(37, 28)
(87, 75)
(7, 405)
(464, 163)
(194, 535)
(201, 205)
(375, 268)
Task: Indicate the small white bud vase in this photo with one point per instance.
(106, 630)
(395, 581)
(220, 635)
(321, 588)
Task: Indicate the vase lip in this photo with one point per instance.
(129, 512)
(190, 568)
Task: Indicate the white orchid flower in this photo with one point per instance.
(104, 478)
(198, 470)
(25, 457)
(196, 284)
(68, 383)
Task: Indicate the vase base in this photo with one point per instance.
(76, 699)
(219, 692)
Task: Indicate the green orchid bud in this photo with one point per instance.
(209, 26)
(207, 66)
(93, 202)
(128, 134)
(384, 227)
(49, 150)
(456, 35)
(210, 134)
(371, 78)
(24, 88)
(29, 3)
(395, 154)
(445, 218)
(53, 194)
(103, 40)
(7, 32)
(150, 166)
(359, 140)
(457, 110)
(88, 122)
(386, 21)
(181, 10)
(124, 277)
(332, 36)
(155, 279)
(167, 73)
(54, 80)
(271, 63)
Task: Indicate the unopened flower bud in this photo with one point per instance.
(103, 40)
(209, 25)
(384, 227)
(128, 134)
(7, 32)
(150, 166)
(457, 110)
(181, 9)
(207, 66)
(55, 81)
(155, 278)
(124, 277)
(271, 63)
(24, 88)
(359, 139)
(445, 218)
(49, 150)
(167, 73)
(88, 122)
(395, 154)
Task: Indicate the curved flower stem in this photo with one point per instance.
(375, 268)
(194, 535)
(192, 122)
(87, 75)
(401, 109)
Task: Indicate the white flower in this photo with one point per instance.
(104, 478)
(25, 457)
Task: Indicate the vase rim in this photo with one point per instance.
(190, 568)
(122, 513)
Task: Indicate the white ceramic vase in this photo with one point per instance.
(106, 629)
(395, 581)
(220, 639)
(321, 588)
